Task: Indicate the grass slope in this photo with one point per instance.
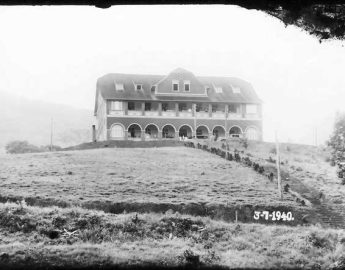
(55, 237)
(158, 176)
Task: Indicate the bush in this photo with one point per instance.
(273, 151)
(244, 142)
(337, 142)
(20, 147)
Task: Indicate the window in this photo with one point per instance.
(138, 87)
(187, 86)
(236, 89)
(147, 106)
(153, 88)
(251, 108)
(182, 107)
(218, 89)
(214, 107)
(164, 107)
(117, 132)
(119, 86)
(131, 106)
(175, 85)
(234, 108)
(116, 106)
(252, 134)
(198, 107)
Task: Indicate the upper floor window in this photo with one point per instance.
(214, 107)
(234, 108)
(119, 86)
(131, 106)
(116, 106)
(218, 89)
(165, 106)
(147, 106)
(182, 107)
(138, 87)
(251, 108)
(175, 85)
(187, 86)
(236, 89)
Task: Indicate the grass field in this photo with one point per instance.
(158, 175)
(75, 237)
(166, 206)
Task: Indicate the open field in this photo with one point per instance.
(154, 175)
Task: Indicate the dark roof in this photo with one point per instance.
(106, 87)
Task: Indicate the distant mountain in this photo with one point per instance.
(24, 119)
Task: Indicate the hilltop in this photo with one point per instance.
(24, 119)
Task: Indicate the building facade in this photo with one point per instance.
(175, 106)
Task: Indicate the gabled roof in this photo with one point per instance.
(106, 87)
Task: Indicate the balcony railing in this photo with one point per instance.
(151, 113)
(134, 113)
(185, 114)
(218, 115)
(252, 116)
(202, 115)
(116, 112)
(169, 113)
(234, 115)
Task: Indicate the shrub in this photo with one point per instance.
(273, 150)
(244, 142)
(20, 147)
(337, 143)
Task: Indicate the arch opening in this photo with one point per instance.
(168, 132)
(202, 132)
(235, 132)
(117, 132)
(252, 134)
(151, 132)
(219, 132)
(134, 132)
(185, 131)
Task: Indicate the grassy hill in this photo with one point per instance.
(168, 206)
(24, 119)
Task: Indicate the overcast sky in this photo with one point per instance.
(56, 54)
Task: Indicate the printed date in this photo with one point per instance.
(275, 215)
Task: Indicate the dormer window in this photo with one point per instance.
(153, 88)
(138, 87)
(187, 86)
(236, 89)
(218, 89)
(175, 85)
(119, 86)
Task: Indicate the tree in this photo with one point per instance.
(20, 147)
(337, 142)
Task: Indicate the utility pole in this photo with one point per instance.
(194, 111)
(51, 135)
(315, 136)
(280, 194)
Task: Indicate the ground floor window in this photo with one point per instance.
(117, 132)
(235, 132)
(252, 134)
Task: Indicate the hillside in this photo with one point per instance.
(24, 119)
(164, 207)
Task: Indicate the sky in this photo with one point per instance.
(56, 54)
